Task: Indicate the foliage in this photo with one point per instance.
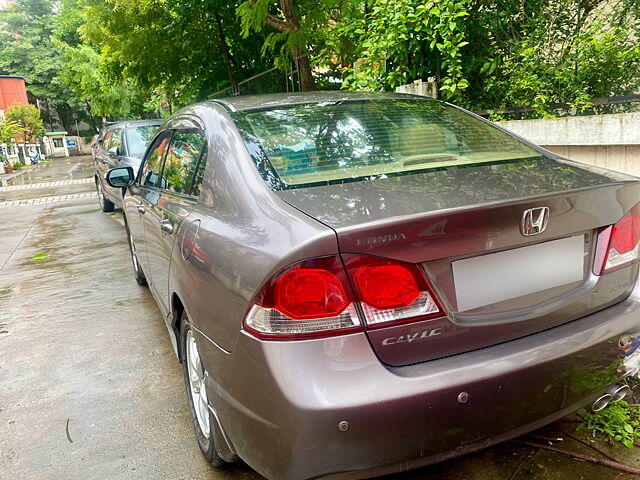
(176, 54)
(28, 119)
(409, 39)
(9, 130)
(496, 53)
(124, 58)
(17, 165)
(619, 422)
(26, 49)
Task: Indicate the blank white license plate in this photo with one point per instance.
(488, 279)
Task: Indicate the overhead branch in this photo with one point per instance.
(278, 24)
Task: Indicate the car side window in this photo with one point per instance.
(106, 140)
(116, 139)
(182, 159)
(151, 173)
(199, 173)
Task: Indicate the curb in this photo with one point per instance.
(8, 176)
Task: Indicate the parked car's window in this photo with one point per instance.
(116, 139)
(182, 159)
(151, 174)
(106, 139)
(326, 143)
(138, 138)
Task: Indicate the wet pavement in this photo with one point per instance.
(89, 384)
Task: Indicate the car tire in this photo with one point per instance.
(138, 273)
(194, 376)
(105, 204)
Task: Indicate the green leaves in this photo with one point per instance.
(27, 117)
(619, 422)
(408, 39)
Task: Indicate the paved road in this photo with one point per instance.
(89, 385)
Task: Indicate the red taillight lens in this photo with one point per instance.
(391, 292)
(386, 286)
(314, 298)
(310, 293)
(619, 244)
(625, 234)
(308, 299)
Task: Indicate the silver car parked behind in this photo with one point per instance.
(358, 284)
(120, 144)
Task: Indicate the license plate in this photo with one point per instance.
(496, 277)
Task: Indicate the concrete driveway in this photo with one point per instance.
(89, 385)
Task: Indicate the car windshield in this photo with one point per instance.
(335, 142)
(138, 138)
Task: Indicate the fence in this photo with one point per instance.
(276, 80)
(595, 106)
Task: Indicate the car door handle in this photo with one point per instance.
(141, 208)
(166, 226)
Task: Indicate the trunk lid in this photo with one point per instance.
(462, 225)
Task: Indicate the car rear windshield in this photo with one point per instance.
(138, 138)
(334, 142)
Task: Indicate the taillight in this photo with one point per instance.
(308, 299)
(314, 298)
(391, 292)
(619, 244)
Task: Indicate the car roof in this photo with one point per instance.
(135, 123)
(253, 102)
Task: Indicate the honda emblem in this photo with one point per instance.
(534, 221)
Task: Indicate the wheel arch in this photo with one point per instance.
(177, 308)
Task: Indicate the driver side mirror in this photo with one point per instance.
(121, 177)
(114, 151)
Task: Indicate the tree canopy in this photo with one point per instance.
(126, 58)
(27, 118)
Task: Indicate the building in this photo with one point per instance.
(12, 90)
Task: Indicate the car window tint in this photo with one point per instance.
(182, 159)
(153, 161)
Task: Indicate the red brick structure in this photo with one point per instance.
(12, 90)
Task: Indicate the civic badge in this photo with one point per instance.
(534, 221)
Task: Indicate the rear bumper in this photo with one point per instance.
(281, 403)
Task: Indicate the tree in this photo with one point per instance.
(493, 54)
(256, 14)
(182, 50)
(26, 49)
(9, 130)
(28, 119)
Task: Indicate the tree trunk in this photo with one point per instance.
(307, 82)
(64, 117)
(305, 74)
(227, 56)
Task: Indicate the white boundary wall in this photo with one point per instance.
(609, 141)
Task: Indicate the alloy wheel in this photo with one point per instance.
(134, 255)
(100, 195)
(196, 384)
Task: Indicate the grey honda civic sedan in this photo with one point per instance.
(359, 284)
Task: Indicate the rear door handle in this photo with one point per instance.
(166, 226)
(141, 208)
